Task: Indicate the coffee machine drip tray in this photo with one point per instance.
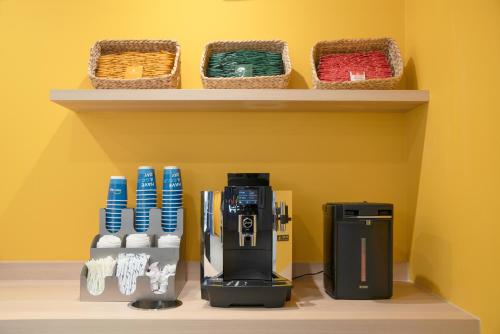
(248, 292)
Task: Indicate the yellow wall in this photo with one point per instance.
(56, 163)
(455, 48)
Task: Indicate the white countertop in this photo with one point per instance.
(52, 306)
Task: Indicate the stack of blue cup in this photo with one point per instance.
(171, 198)
(146, 197)
(117, 201)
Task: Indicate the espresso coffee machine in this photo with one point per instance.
(358, 250)
(240, 229)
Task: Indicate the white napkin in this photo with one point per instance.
(97, 271)
(169, 240)
(138, 241)
(159, 279)
(109, 241)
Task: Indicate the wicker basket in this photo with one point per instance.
(386, 45)
(274, 81)
(154, 47)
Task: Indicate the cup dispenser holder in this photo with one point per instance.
(168, 255)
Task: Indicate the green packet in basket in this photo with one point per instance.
(245, 63)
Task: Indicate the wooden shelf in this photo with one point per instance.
(238, 99)
(51, 306)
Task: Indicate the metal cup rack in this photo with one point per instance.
(169, 255)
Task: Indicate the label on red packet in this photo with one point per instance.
(357, 75)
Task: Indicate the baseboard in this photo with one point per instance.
(70, 270)
(400, 270)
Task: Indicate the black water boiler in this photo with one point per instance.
(358, 250)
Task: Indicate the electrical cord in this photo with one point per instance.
(308, 274)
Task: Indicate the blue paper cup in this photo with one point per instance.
(146, 178)
(172, 200)
(146, 198)
(169, 213)
(146, 192)
(172, 178)
(171, 203)
(167, 193)
(117, 188)
(115, 208)
(172, 196)
(143, 223)
(110, 210)
(142, 213)
(147, 201)
(146, 207)
(143, 210)
(146, 204)
(146, 195)
(172, 222)
(170, 208)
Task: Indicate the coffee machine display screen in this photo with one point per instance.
(247, 196)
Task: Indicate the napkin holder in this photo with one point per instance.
(168, 255)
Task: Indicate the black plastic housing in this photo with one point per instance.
(358, 250)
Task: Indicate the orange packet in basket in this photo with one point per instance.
(133, 72)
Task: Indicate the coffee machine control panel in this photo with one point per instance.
(244, 205)
(247, 229)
